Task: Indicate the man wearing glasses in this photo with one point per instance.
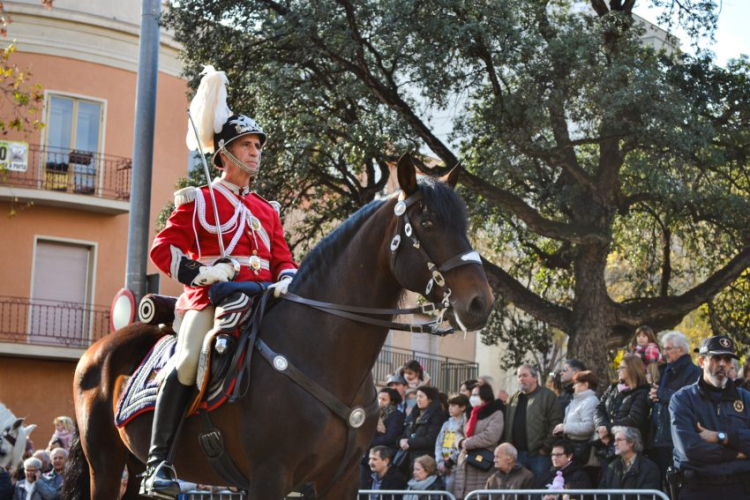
(711, 429)
(574, 477)
(678, 372)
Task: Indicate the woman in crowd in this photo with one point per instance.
(414, 374)
(645, 346)
(425, 478)
(631, 470)
(390, 427)
(625, 403)
(423, 425)
(483, 431)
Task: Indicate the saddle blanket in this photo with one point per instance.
(139, 395)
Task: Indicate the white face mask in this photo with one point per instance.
(475, 401)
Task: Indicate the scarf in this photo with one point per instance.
(470, 427)
(386, 411)
(419, 486)
(622, 387)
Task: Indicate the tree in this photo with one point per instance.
(579, 145)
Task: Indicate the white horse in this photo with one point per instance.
(13, 436)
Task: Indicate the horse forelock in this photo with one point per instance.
(444, 204)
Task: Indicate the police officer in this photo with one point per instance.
(187, 250)
(711, 429)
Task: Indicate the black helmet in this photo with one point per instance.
(236, 126)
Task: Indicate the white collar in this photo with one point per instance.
(239, 191)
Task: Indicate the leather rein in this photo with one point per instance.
(356, 313)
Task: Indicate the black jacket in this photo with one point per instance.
(565, 397)
(422, 429)
(642, 475)
(628, 408)
(393, 480)
(574, 475)
(6, 486)
(394, 428)
(674, 376)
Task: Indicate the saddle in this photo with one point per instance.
(222, 357)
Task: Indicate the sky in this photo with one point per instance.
(732, 34)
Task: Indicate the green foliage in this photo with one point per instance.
(604, 179)
(22, 101)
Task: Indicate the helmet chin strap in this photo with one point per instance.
(239, 163)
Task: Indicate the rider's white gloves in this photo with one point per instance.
(279, 288)
(208, 275)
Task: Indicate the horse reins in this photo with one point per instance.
(356, 313)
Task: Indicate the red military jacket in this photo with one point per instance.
(251, 230)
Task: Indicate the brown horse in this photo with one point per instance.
(279, 436)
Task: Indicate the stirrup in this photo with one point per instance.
(160, 482)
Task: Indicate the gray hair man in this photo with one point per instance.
(510, 474)
(531, 415)
(710, 425)
(631, 471)
(32, 486)
(678, 372)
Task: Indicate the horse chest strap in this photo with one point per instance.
(354, 417)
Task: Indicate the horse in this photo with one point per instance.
(13, 437)
(279, 436)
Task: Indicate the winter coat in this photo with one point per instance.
(642, 475)
(435, 485)
(42, 491)
(648, 353)
(487, 435)
(6, 486)
(579, 416)
(519, 478)
(542, 415)
(446, 445)
(422, 429)
(573, 474)
(393, 480)
(394, 428)
(674, 376)
(565, 397)
(628, 408)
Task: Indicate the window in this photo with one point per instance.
(61, 292)
(74, 130)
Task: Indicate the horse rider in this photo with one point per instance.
(187, 250)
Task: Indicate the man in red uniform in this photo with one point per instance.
(187, 250)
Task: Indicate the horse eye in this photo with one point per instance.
(426, 224)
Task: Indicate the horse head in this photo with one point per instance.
(431, 252)
(13, 436)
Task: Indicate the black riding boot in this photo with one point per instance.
(160, 479)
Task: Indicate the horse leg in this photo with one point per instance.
(135, 469)
(105, 452)
(346, 486)
(270, 480)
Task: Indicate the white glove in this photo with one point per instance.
(279, 288)
(208, 275)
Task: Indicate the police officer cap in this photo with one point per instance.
(396, 378)
(718, 345)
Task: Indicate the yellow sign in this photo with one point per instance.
(14, 156)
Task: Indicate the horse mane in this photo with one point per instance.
(438, 199)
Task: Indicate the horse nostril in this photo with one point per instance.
(477, 306)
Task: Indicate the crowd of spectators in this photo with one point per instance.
(41, 474)
(578, 434)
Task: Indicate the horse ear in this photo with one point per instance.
(407, 175)
(451, 178)
(29, 429)
(17, 423)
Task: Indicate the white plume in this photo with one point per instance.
(209, 109)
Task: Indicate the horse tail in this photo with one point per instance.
(77, 483)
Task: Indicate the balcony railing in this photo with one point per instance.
(447, 373)
(50, 323)
(76, 172)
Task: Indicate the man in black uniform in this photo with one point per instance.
(711, 429)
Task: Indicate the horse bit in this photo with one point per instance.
(437, 278)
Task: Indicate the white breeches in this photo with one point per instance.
(193, 329)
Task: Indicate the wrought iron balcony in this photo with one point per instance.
(50, 323)
(76, 172)
(447, 373)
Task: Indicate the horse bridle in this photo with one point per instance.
(436, 278)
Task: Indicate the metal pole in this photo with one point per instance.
(143, 150)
